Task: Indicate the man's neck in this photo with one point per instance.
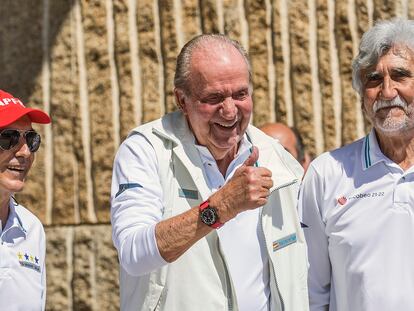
(4, 209)
(400, 149)
(223, 162)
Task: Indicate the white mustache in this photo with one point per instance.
(395, 102)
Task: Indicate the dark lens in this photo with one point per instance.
(9, 139)
(32, 140)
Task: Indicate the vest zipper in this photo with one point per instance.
(264, 238)
(228, 281)
(271, 268)
(286, 185)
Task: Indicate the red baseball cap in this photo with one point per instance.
(12, 109)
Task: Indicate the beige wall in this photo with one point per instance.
(102, 67)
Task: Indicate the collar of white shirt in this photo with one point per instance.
(14, 227)
(371, 154)
(244, 148)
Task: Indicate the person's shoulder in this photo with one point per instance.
(30, 221)
(339, 159)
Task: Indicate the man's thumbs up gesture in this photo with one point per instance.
(247, 189)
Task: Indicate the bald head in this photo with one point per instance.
(209, 42)
(290, 139)
(284, 134)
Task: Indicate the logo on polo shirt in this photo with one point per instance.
(342, 200)
(29, 261)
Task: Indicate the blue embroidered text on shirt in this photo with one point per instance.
(188, 194)
(29, 261)
(123, 187)
(283, 242)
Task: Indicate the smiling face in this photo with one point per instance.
(16, 162)
(388, 92)
(219, 105)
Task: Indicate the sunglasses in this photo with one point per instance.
(10, 138)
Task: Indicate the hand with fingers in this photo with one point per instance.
(247, 189)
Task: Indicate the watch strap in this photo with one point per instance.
(205, 205)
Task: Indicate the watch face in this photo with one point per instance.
(209, 216)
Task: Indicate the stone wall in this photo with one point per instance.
(101, 67)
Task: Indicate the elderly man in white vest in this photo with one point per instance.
(203, 204)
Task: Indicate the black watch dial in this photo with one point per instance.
(209, 216)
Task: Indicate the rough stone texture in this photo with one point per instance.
(63, 92)
(95, 269)
(281, 79)
(59, 268)
(410, 9)
(384, 9)
(191, 22)
(232, 19)
(123, 65)
(21, 42)
(209, 16)
(82, 269)
(258, 51)
(301, 71)
(363, 25)
(344, 44)
(100, 102)
(149, 55)
(169, 50)
(361, 11)
(82, 265)
(34, 196)
(325, 74)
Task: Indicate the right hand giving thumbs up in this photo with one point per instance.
(247, 189)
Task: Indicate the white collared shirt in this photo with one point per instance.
(22, 261)
(245, 252)
(136, 164)
(358, 207)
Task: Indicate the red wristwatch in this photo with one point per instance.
(209, 215)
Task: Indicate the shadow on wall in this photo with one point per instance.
(23, 40)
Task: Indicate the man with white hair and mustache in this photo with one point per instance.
(357, 202)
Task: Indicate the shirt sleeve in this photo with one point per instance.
(136, 206)
(310, 207)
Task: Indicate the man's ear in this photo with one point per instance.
(180, 100)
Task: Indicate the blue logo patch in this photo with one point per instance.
(283, 242)
(123, 187)
(29, 261)
(188, 194)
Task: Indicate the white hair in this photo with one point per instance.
(378, 41)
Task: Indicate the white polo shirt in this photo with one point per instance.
(22, 262)
(358, 207)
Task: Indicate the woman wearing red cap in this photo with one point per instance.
(22, 237)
